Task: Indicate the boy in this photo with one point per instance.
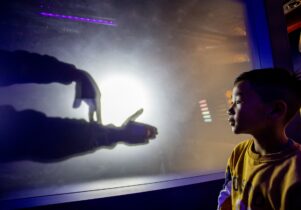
(263, 172)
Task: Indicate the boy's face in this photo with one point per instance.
(247, 113)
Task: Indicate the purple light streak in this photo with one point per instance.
(80, 19)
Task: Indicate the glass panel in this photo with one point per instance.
(176, 59)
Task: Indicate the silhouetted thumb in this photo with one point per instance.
(77, 102)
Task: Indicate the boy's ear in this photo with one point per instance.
(278, 109)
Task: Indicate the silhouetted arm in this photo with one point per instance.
(24, 67)
(21, 67)
(32, 135)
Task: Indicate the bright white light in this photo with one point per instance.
(122, 96)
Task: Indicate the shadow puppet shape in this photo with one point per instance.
(32, 135)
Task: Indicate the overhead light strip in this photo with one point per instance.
(80, 19)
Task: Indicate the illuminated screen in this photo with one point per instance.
(175, 59)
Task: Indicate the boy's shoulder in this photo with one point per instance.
(240, 150)
(243, 146)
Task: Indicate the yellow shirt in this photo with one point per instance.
(266, 182)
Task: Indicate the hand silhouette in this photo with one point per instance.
(135, 132)
(86, 90)
(132, 132)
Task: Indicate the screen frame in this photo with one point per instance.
(264, 44)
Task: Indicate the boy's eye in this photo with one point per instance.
(236, 102)
(239, 102)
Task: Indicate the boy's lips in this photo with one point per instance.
(231, 121)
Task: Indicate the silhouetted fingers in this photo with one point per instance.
(98, 116)
(92, 109)
(77, 102)
(141, 131)
(91, 115)
(152, 132)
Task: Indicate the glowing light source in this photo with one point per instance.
(205, 111)
(121, 96)
(80, 19)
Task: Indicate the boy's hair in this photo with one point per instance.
(275, 84)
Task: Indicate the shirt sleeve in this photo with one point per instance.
(224, 198)
(33, 135)
(24, 67)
